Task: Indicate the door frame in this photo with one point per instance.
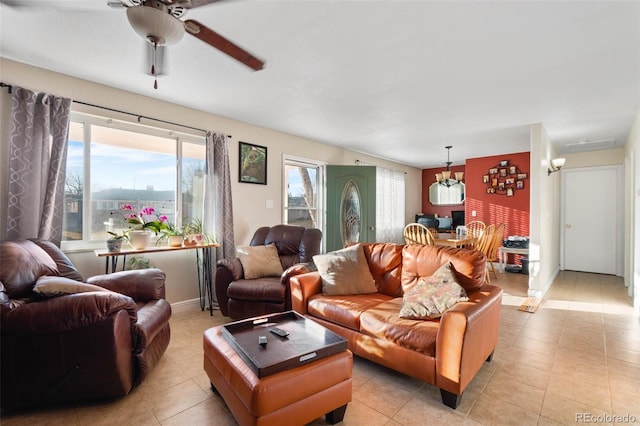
(617, 215)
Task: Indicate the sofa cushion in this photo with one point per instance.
(382, 321)
(345, 272)
(23, 262)
(385, 265)
(47, 286)
(420, 261)
(344, 310)
(259, 289)
(260, 261)
(63, 263)
(432, 296)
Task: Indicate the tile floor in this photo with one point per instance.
(577, 356)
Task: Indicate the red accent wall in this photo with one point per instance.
(490, 208)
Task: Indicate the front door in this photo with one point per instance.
(351, 205)
(592, 236)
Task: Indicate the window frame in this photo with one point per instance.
(90, 119)
(320, 166)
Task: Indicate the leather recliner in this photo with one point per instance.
(241, 298)
(77, 346)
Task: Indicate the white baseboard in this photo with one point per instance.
(185, 305)
(189, 305)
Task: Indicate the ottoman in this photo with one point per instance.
(290, 397)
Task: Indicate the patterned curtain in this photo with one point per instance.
(217, 197)
(389, 205)
(37, 165)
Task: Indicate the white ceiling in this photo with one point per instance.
(395, 79)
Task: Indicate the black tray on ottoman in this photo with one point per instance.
(307, 341)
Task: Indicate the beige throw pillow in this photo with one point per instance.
(432, 296)
(48, 286)
(260, 261)
(345, 272)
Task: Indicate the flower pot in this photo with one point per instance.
(175, 240)
(194, 240)
(140, 239)
(114, 245)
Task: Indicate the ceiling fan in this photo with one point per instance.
(158, 22)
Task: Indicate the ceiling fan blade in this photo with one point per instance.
(216, 40)
(190, 4)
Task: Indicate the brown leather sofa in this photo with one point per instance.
(445, 352)
(241, 298)
(77, 346)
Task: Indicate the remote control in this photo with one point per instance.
(279, 332)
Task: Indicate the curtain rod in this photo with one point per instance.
(140, 117)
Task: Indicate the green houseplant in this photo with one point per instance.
(194, 233)
(114, 242)
(172, 234)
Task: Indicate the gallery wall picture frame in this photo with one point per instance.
(252, 167)
(504, 178)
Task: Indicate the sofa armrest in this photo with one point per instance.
(292, 271)
(467, 336)
(64, 313)
(234, 266)
(302, 288)
(227, 271)
(142, 285)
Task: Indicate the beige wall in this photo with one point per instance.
(249, 201)
(632, 209)
(605, 157)
(544, 244)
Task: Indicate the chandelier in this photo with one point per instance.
(444, 178)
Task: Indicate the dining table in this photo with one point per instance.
(453, 240)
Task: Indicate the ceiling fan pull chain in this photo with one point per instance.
(153, 65)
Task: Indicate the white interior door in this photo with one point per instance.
(591, 228)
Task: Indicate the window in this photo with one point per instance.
(126, 163)
(303, 180)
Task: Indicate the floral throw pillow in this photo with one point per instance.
(433, 295)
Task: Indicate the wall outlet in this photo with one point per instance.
(269, 204)
(473, 213)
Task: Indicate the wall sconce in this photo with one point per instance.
(556, 165)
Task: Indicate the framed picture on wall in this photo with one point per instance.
(252, 166)
(519, 184)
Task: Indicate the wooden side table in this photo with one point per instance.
(204, 265)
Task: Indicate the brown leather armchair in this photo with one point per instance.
(241, 298)
(79, 345)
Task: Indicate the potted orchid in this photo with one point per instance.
(141, 225)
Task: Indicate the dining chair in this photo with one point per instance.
(483, 244)
(494, 247)
(475, 228)
(416, 233)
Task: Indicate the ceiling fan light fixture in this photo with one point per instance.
(155, 24)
